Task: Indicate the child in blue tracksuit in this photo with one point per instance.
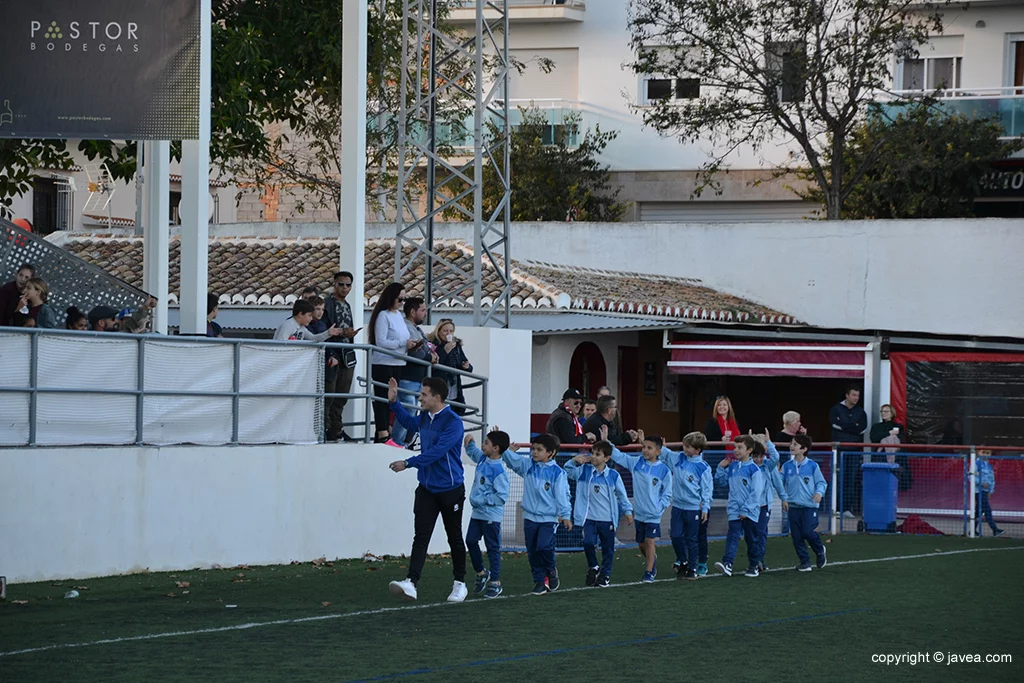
(545, 504)
(746, 487)
(488, 496)
(986, 486)
(805, 487)
(767, 458)
(692, 486)
(600, 501)
(652, 493)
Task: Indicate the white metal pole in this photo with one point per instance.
(352, 235)
(195, 199)
(833, 523)
(156, 230)
(972, 517)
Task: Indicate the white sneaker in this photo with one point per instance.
(849, 515)
(458, 593)
(405, 589)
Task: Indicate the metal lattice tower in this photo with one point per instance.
(439, 69)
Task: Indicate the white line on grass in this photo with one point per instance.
(403, 608)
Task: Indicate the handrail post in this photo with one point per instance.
(483, 410)
(33, 382)
(368, 417)
(972, 492)
(235, 383)
(833, 522)
(140, 398)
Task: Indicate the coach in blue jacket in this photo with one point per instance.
(441, 490)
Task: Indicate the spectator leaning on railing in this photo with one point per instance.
(607, 410)
(413, 374)
(35, 295)
(294, 328)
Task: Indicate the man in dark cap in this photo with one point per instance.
(565, 422)
(104, 319)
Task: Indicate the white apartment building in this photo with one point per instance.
(980, 59)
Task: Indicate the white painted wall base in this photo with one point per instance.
(84, 512)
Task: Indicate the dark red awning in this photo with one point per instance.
(768, 359)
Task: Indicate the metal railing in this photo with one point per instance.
(106, 377)
(1006, 104)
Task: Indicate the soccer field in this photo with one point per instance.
(336, 621)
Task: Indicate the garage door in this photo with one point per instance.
(726, 212)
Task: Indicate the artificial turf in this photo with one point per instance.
(824, 625)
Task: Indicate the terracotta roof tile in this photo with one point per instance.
(273, 270)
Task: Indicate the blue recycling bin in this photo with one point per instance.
(879, 495)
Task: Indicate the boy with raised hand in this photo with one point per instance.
(600, 501)
(986, 486)
(488, 496)
(652, 494)
(805, 487)
(545, 505)
(746, 486)
(691, 500)
(772, 480)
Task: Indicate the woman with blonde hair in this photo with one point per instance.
(722, 425)
(451, 354)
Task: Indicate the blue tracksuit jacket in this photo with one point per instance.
(772, 480)
(652, 486)
(986, 475)
(802, 481)
(439, 464)
(600, 496)
(545, 488)
(490, 486)
(692, 481)
(746, 487)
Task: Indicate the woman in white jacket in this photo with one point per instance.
(387, 330)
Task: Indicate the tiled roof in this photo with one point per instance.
(271, 271)
(114, 221)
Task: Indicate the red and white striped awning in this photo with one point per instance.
(768, 359)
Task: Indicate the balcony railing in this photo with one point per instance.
(1007, 104)
(555, 111)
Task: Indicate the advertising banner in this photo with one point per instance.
(114, 69)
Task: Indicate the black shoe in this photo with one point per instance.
(345, 437)
(603, 581)
(998, 532)
(762, 567)
(689, 575)
(679, 568)
(821, 559)
(539, 589)
(592, 576)
(553, 582)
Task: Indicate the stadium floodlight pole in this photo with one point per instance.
(352, 234)
(437, 67)
(195, 198)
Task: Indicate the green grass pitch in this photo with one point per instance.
(337, 621)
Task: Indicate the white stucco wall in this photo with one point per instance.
(551, 361)
(503, 356)
(82, 512)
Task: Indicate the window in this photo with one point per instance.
(787, 62)
(931, 73)
(671, 89)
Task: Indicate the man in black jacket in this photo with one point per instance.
(341, 362)
(564, 421)
(607, 410)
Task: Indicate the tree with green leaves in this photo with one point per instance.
(800, 73)
(929, 163)
(556, 172)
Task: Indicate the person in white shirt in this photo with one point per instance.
(294, 328)
(387, 330)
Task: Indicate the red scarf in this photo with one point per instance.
(727, 425)
(577, 425)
